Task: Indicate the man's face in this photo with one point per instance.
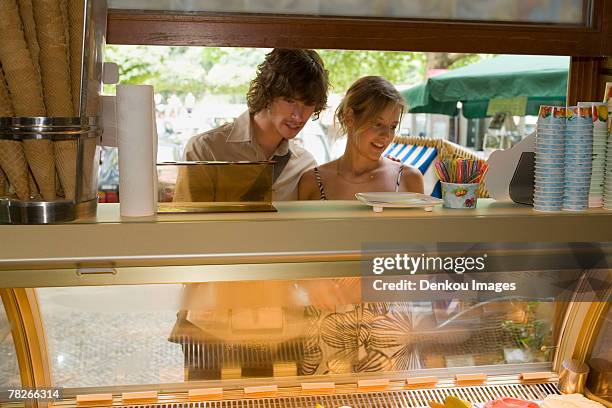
(288, 116)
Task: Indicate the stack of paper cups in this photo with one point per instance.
(549, 159)
(608, 173)
(599, 111)
(608, 100)
(578, 158)
(137, 140)
(607, 202)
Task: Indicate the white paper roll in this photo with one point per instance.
(137, 146)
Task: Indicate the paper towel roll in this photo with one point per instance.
(137, 141)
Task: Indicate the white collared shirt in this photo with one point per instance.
(234, 142)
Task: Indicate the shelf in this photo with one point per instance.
(298, 232)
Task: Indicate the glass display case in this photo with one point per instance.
(285, 332)
(296, 330)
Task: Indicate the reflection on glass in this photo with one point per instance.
(193, 186)
(600, 377)
(561, 11)
(119, 335)
(9, 368)
(319, 326)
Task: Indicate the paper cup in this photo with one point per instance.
(459, 195)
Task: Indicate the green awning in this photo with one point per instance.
(542, 79)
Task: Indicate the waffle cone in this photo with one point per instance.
(54, 67)
(89, 157)
(3, 184)
(15, 166)
(65, 162)
(29, 28)
(41, 159)
(59, 191)
(19, 71)
(6, 106)
(34, 193)
(75, 15)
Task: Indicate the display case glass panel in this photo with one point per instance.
(111, 335)
(600, 377)
(154, 334)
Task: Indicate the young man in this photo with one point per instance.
(290, 86)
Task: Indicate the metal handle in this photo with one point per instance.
(96, 271)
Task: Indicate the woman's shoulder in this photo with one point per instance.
(411, 178)
(394, 165)
(307, 186)
(328, 167)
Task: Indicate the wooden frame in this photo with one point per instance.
(248, 30)
(584, 82)
(23, 312)
(606, 37)
(587, 44)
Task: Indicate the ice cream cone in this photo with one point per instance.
(59, 191)
(6, 106)
(3, 184)
(15, 166)
(26, 12)
(65, 162)
(34, 193)
(75, 14)
(41, 159)
(54, 66)
(21, 76)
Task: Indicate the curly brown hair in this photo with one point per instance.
(291, 73)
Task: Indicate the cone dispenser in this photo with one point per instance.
(50, 109)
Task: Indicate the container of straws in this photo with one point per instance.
(460, 181)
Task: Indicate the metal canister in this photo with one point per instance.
(80, 169)
(573, 376)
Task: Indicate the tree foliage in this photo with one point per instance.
(229, 70)
(347, 66)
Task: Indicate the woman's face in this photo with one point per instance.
(376, 136)
(288, 116)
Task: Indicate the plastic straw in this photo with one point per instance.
(464, 171)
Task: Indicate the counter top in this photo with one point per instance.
(299, 231)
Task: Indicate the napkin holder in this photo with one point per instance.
(521, 185)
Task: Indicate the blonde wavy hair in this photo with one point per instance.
(367, 98)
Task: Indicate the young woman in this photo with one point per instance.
(369, 115)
